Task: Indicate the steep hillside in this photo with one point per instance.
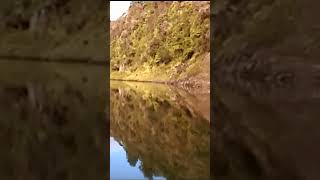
(54, 29)
(162, 41)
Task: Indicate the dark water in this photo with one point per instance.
(53, 121)
(267, 131)
(158, 132)
(53, 125)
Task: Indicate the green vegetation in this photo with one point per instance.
(159, 40)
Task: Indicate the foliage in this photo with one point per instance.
(162, 36)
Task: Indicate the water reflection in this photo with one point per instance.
(158, 133)
(266, 132)
(120, 168)
(52, 121)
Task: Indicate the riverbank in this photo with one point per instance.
(192, 87)
(197, 102)
(53, 60)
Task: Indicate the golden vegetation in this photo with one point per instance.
(159, 40)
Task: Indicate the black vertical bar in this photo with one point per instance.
(212, 60)
(108, 88)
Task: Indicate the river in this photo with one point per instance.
(54, 125)
(158, 132)
(53, 121)
(266, 131)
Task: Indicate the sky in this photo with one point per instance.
(117, 8)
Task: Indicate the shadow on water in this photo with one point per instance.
(266, 132)
(163, 132)
(53, 121)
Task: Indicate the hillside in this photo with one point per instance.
(53, 29)
(162, 41)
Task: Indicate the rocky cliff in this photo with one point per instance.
(162, 41)
(54, 29)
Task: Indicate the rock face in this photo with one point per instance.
(154, 38)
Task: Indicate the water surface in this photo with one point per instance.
(53, 121)
(158, 132)
(266, 131)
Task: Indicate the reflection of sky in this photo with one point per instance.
(120, 169)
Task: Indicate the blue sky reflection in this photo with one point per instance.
(119, 167)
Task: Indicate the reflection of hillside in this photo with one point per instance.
(169, 138)
(52, 124)
(266, 137)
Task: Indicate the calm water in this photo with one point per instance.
(267, 131)
(53, 126)
(158, 132)
(53, 121)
